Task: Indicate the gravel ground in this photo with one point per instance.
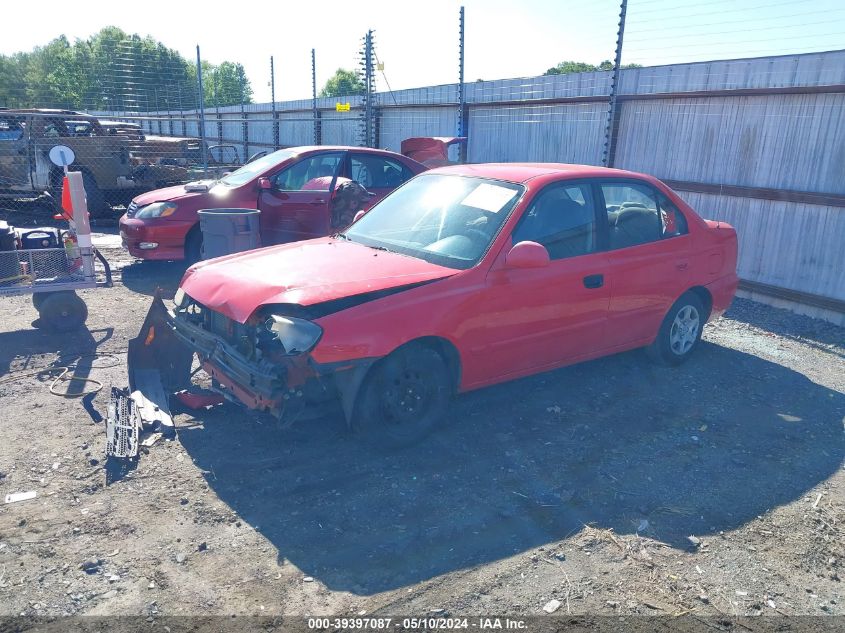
(613, 487)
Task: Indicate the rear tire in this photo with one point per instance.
(404, 397)
(97, 206)
(680, 332)
(63, 311)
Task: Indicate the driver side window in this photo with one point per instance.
(561, 218)
(314, 173)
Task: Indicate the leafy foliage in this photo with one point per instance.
(565, 68)
(113, 70)
(343, 83)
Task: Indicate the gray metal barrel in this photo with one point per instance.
(226, 231)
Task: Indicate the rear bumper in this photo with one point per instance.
(168, 237)
(723, 291)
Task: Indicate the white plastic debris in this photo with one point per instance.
(552, 606)
(14, 497)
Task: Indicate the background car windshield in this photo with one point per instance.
(448, 220)
(251, 170)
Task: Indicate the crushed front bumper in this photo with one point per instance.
(160, 360)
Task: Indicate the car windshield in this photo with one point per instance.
(251, 170)
(447, 220)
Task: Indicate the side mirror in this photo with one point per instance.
(359, 215)
(264, 183)
(527, 255)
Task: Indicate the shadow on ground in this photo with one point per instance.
(694, 450)
(145, 277)
(25, 351)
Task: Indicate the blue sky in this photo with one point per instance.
(417, 41)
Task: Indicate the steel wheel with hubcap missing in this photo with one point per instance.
(404, 397)
(680, 331)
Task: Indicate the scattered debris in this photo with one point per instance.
(694, 541)
(308, 579)
(14, 497)
(151, 439)
(552, 606)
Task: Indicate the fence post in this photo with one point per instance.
(462, 109)
(273, 113)
(318, 132)
(244, 125)
(217, 113)
(612, 128)
(201, 104)
(369, 89)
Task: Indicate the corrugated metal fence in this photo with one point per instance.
(757, 142)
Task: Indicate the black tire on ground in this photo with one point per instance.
(63, 311)
(680, 332)
(193, 246)
(97, 206)
(403, 398)
(38, 299)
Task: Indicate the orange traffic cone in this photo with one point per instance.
(67, 205)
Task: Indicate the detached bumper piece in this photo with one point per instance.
(159, 364)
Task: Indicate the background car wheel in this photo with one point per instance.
(97, 206)
(63, 311)
(403, 398)
(680, 331)
(193, 246)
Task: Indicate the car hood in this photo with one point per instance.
(181, 192)
(302, 273)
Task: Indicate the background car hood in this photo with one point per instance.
(302, 273)
(167, 193)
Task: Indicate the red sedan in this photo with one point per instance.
(464, 277)
(290, 187)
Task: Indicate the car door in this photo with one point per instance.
(543, 317)
(14, 155)
(377, 174)
(648, 259)
(297, 207)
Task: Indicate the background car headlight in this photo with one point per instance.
(156, 210)
(295, 335)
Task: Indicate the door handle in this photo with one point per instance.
(318, 201)
(681, 265)
(593, 281)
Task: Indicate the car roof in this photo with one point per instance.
(301, 149)
(523, 172)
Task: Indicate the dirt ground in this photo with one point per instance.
(614, 487)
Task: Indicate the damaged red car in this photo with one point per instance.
(291, 187)
(464, 277)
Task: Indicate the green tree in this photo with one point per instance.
(343, 83)
(114, 70)
(567, 67)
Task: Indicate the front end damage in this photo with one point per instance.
(246, 365)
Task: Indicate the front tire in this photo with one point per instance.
(404, 397)
(680, 332)
(193, 246)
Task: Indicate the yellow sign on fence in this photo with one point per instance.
(342, 107)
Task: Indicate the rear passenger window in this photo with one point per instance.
(632, 215)
(561, 218)
(672, 221)
(377, 172)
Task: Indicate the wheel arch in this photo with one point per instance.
(706, 299)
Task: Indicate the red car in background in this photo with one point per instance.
(464, 277)
(291, 187)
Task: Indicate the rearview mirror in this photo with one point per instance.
(527, 255)
(264, 183)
